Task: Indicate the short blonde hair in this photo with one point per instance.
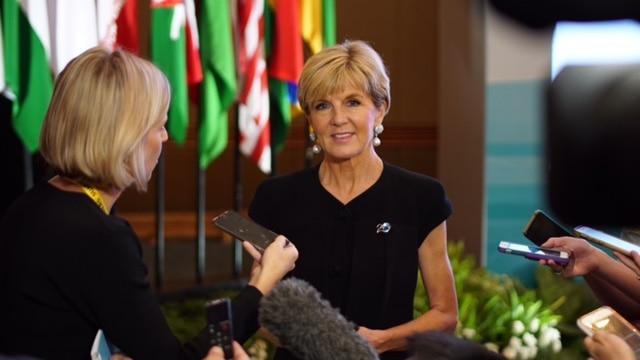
(352, 63)
(104, 103)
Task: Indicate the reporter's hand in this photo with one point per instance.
(607, 346)
(216, 353)
(583, 257)
(278, 259)
(632, 261)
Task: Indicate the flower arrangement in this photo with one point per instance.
(499, 312)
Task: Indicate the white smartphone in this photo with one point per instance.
(606, 240)
(606, 319)
(534, 252)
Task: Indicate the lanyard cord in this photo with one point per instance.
(94, 194)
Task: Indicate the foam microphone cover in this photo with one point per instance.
(308, 326)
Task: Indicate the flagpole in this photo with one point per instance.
(237, 196)
(160, 240)
(200, 243)
(28, 169)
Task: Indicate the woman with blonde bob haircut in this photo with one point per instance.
(84, 103)
(68, 267)
(364, 227)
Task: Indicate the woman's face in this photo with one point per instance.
(153, 146)
(344, 122)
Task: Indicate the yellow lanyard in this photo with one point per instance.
(94, 194)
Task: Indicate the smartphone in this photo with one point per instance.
(606, 240)
(607, 319)
(245, 229)
(534, 252)
(542, 227)
(219, 325)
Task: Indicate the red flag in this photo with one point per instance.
(253, 110)
(286, 54)
(127, 23)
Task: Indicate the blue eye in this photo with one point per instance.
(321, 106)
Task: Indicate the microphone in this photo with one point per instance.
(308, 326)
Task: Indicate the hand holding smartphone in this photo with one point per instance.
(606, 240)
(220, 326)
(541, 227)
(606, 319)
(245, 229)
(534, 252)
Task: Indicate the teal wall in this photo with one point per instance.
(514, 164)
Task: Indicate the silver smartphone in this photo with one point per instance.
(534, 252)
(606, 240)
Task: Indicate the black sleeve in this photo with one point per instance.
(244, 309)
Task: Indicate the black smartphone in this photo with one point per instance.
(219, 325)
(534, 252)
(243, 228)
(542, 227)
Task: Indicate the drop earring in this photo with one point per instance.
(315, 148)
(377, 131)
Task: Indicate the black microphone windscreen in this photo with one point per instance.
(308, 326)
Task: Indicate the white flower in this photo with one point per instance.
(528, 352)
(517, 327)
(534, 326)
(556, 346)
(548, 336)
(510, 352)
(515, 342)
(468, 333)
(492, 346)
(529, 339)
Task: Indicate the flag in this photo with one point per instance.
(285, 59)
(318, 23)
(253, 107)
(127, 33)
(3, 83)
(74, 29)
(26, 59)
(219, 85)
(174, 45)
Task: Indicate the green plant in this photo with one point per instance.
(186, 318)
(499, 312)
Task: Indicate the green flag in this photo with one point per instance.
(329, 22)
(28, 76)
(168, 52)
(219, 86)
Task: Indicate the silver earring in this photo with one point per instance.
(377, 131)
(315, 148)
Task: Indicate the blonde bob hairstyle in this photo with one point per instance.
(352, 63)
(103, 105)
